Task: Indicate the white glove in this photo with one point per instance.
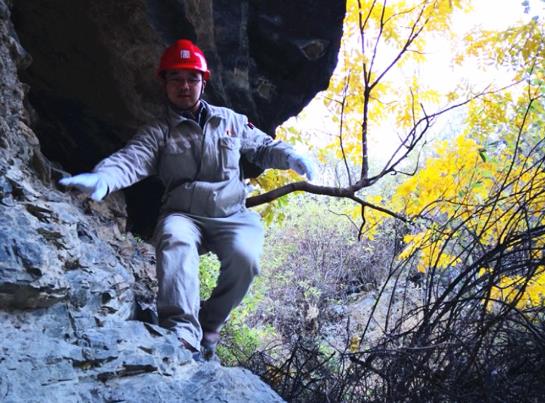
(90, 183)
(302, 165)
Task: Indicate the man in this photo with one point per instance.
(195, 149)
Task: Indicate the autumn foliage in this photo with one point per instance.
(465, 290)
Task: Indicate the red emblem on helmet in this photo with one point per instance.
(184, 55)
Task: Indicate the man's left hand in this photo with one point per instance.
(302, 165)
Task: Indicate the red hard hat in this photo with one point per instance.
(184, 55)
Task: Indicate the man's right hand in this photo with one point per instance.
(90, 183)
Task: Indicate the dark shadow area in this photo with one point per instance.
(80, 114)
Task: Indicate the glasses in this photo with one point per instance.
(191, 82)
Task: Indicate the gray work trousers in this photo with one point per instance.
(237, 240)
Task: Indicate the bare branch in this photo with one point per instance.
(343, 105)
(348, 193)
(345, 216)
(410, 39)
(378, 208)
(379, 36)
(414, 136)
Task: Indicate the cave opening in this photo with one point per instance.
(93, 75)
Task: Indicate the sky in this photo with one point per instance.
(487, 14)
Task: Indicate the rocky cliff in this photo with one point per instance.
(77, 78)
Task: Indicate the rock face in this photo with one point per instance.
(75, 287)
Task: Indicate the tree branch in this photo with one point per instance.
(343, 105)
(347, 193)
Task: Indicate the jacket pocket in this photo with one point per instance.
(229, 152)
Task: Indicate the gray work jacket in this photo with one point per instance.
(199, 167)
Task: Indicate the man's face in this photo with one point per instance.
(183, 88)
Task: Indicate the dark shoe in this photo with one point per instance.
(209, 343)
(208, 353)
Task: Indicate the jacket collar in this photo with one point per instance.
(175, 117)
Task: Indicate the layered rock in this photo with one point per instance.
(76, 289)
